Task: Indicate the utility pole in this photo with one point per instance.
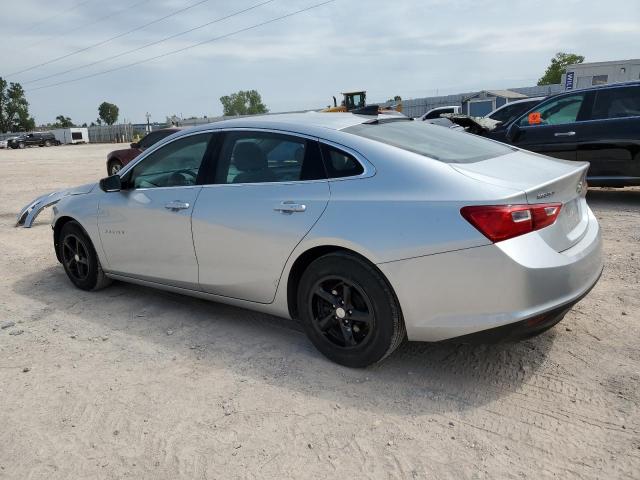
(148, 115)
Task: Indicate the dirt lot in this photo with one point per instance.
(131, 382)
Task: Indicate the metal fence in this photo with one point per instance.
(121, 133)
(416, 107)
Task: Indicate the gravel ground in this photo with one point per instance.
(130, 382)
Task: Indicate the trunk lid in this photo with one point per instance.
(543, 180)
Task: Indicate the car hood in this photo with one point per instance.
(29, 213)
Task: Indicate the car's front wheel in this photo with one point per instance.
(21, 145)
(79, 258)
(47, 143)
(114, 167)
(349, 311)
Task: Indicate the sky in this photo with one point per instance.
(411, 48)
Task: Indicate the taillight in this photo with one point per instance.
(501, 222)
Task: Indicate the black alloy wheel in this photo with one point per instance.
(79, 258)
(348, 310)
(75, 258)
(342, 312)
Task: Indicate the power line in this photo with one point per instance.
(85, 25)
(48, 19)
(170, 37)
(214, 39)
(108, 39)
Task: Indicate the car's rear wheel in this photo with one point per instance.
(21, 145)
(349, 311)
(47, 143)
(114, 167)
(79, 259)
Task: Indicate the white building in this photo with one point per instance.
(583, 75)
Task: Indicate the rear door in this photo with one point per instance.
(554, 128)
(269, 189)
(610, 141)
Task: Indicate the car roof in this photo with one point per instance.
(296, 121)
(633, 83)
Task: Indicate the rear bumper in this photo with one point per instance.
(455, 294)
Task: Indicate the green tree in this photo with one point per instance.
(244, 102)
(14, 108)
(63, 122)
(108, 113)
(558, 66)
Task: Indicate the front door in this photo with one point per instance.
(269, 190)
(553, 128)
(145, 228)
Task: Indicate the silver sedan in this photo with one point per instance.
(368, 229)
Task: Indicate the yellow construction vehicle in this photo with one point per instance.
(356, 101)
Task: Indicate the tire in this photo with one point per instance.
(21, 145)
(114, 167)
(47, 143)
(345, 280)
(79, 258)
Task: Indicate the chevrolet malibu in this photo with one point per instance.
(367, 229)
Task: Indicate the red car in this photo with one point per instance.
(119, 158)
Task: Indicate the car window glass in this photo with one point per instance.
(173, 165)
(511, 111)
(262, 157)
(617, 103)
(339, 163)
(432, 141)
(557, 112)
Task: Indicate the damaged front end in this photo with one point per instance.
(28, 214)
(476, 125)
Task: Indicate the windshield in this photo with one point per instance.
(433, 141)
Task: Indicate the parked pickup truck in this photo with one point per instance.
(41, 139)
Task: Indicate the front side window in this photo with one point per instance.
(432, 141)
(265, 157)
(617, 103)
(174, 165)
(556, 112)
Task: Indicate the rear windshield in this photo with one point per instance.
(433, 141)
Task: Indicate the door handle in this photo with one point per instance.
(290, 207)
(177, 205)
(564, 134)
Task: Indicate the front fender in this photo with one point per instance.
(28, 214)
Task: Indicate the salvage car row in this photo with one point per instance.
(599, 125)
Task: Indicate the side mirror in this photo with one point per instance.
(111, 184)
(135, 145)
(513, 131)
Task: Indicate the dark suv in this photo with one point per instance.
(600, 125)
(41, 139)
(119, 158)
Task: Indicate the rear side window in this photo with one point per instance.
(266, 157)
(617, 103)
(340, 164)
(433, 141)
(511, 111)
